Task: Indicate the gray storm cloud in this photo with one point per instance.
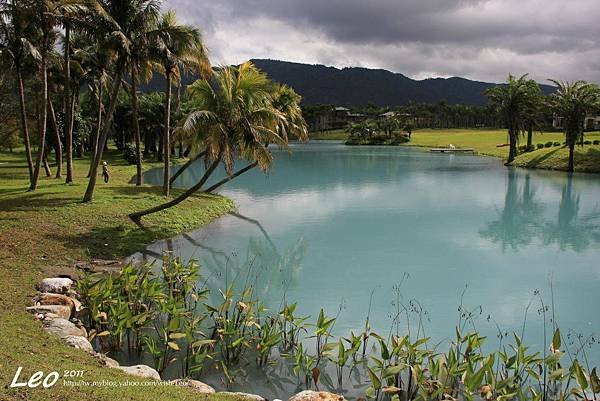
(478, 39)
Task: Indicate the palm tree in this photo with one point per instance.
(287, 102)
(514, 100)
(573, 101)
(118, 20)
(42, 12)
(16, 46)
(178, 48)
(140, 67)
(235, 118)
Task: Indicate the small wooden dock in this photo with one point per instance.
(452, 150)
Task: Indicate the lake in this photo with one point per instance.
(344, 228)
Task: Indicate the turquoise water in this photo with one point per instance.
(330, 225)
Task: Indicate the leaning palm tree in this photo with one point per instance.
(177, 48)
(16, 33)
(287, 102)
(514, 100)
(117, 20)
(573, 101)
(235, 118)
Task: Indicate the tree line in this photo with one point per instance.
(76, 67)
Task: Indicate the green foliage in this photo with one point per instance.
(130, 154)
(168, 316)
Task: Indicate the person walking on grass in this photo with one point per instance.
(105, 173)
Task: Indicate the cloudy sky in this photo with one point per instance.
(477, 39)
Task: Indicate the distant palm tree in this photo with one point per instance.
(177, 48)
(514, 101)
(235, 118)
(141, 68)
(71, 12)
(16, 46)
(573, 101)
(118, 20)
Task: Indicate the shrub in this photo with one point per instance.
(540, 145)
(596, 142)
(548, 144)
(556, 144)
(587, 142)
(129, 154)
(523, 148)
(530, 148)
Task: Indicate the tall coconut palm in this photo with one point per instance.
(235, 118)
(178, 48)
(140, 68)
(94, 57)
(573, 101)
(118, 20)
(514, 100)
(73, 13)
(15, 45)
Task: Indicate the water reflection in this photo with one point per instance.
(522, 219)
(572, 230)
(517, 223)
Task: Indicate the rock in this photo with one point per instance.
(247, 396)
(309, 395)
(105, 360)
(79, 343)
(141, 371)
(195, 385)
(57, 299)
(63, 328)
(61, 311)
(56, 285)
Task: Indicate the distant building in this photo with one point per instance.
(334, 118)
(590, 123)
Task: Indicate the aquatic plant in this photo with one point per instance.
(165, 314)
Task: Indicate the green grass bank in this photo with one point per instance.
(43, 233)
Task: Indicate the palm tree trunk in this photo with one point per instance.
(74, 101)
(529, 137)
(58, 149)
(136, 127)
(185, 166)
(231, 177)
(571, 165)
(166, 137)
(46, 164)
(24, 123)
(138, 215)
(512, 153)
(89, 192)
(68, 109)
(42, 123)
(98, 127)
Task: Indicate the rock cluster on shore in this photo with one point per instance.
(58, 308)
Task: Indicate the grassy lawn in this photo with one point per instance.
(43, 233)
(587, 158)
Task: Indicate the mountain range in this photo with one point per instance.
(359, 87)
(356, 87)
